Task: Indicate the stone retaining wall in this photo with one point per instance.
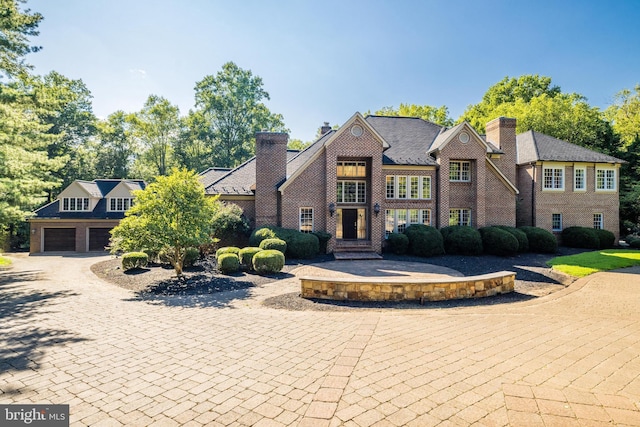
(407, 289)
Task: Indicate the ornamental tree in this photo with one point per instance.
(169, 215)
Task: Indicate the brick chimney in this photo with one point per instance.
(271, 171)
(325, 128)
(501, 132)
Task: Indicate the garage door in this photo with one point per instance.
(98, 238)
(59, 239)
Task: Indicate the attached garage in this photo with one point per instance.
(59, 239)
(99, 238)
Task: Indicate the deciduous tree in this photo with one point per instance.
(438, 115)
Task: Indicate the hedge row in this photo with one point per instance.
(231, 259)
(587, 238)
(298, 245)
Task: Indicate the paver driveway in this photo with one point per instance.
(572, 358)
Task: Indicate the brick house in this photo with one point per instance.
(82, 216)
(375, 175)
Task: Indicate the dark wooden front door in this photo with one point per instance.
(349, 223)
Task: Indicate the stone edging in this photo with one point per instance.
(407, 289)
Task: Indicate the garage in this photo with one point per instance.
(59, 239)
(98, 238)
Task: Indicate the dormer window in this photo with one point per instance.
(120, 204)
(73, 204)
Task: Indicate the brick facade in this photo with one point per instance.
(271, 171)
(36, 241)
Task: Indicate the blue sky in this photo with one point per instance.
(324, 60)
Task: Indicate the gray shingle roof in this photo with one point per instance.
(535, 146)
(211, 175)
(408, 139)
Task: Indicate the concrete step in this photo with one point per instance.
(358, 255)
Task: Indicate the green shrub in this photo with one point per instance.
(132, 260)
(461, 240)
(268, 261)
(152, 255)
(228, 263)
(227, 250)
(580, 237)
(424, 241)
(398, 243)
(229, 225)
(303, 245)
(497, 241)
(523, 241)
(540, 240)
(246, 256)
(277, 244)
(323, 238)
(634, 243)
(607, 238)
(190, 257)
(299, 245)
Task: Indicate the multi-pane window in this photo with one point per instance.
(120, 204)
(459, 171)
(306, 220)
(553, 178)
(408, 187)
(579, 179)
(606, 179)
(397, 220)
(351, 192)
(556, 222)
(352, 169)
(598, 221)
(459, 216)
(75, 204)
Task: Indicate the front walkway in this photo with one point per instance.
(570, 358)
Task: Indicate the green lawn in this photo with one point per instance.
(4, 262)
(586, 263)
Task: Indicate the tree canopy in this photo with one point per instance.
(438, 115)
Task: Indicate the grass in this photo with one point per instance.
(4, 262)
(586, 263)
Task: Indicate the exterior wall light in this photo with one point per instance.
(332, 208)
(376, 208)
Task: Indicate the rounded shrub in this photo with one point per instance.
(540, 240)
(580, 237)
(228, 263)
(227, 250)
(607, 238)
(461, 240)
(323, 239)
(497, 241)
(268, 261)
(277, 244)
(131, 260)
(259, 234)
(246, 256)
(523, 241)
(303, 245)
(398, 243)
(424, 241)
(634, 243)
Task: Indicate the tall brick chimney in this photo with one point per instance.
(271, 171)
(501, 132)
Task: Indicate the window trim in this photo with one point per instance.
(584, 178)
(559, 227)
(461, 172)
(605, 189)
(553, 168)
(301, 219)
(65, 204)
(392, 214)
(357, 193)
(125, 205)
(460, 213)
(600, 222)
(392, 187)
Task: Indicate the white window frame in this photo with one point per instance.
(598, 221)
(360, 193)
(305, 214)
(414, 187)
(556, 171)
(119, 204)
(463, 216)
(427, 180)
(555, 227)
(393, 186)
(577, 187)
(390, 185)
(463, 172)
(609, 183)
(70, 204)
(397, 220)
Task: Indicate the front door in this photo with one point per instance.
(350, 224)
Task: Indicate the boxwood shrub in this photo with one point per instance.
(398, 243)
(277, 244)
(131, 260)
(227, 250)
(540, 240)
(323, 239)
(424, 241)
(228, 263)
(607, 238)
(461, 240)
(246, 256)
(634, 243)
(497, 241)
(580, 237)
(523, 241)
(268, 261)
(299, 245)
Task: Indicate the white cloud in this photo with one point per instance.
(138, 72)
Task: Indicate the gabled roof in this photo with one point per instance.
(535, 146)
(211, 175)
(446, 135)
(90, 187)
(408, 139)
